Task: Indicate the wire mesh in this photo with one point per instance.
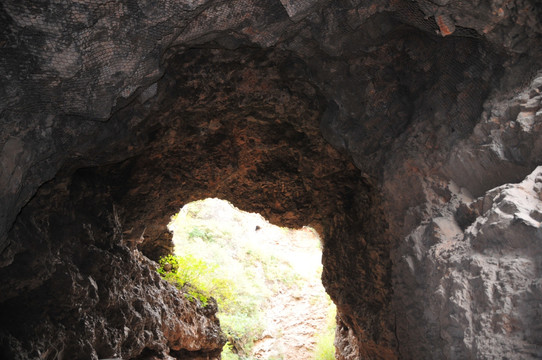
(79, 57)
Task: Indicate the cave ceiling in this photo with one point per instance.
(365, 120)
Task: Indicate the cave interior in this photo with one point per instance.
(379, 125)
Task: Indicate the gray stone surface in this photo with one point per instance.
(467, 267)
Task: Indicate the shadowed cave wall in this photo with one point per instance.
(387, 127)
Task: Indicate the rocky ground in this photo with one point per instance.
(295, 316)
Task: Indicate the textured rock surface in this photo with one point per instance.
(477, 289)
(86, 295)
(200, 150)
(467, 274)
(433, 101)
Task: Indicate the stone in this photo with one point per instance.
(445, 24)
(142, 106)
(101, 298)
(297, 9)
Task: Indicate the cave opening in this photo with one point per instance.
(349, 116)
(265, 279)
(253, 140)
(246, 126)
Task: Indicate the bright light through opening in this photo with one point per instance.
(266, 280)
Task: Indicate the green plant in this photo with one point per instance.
(325, 348)
(227, 352)
(239, 301)
(221, 257)
(168, 264)
(197, 278)
(242, 330)
(203, 234)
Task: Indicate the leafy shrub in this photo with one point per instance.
(239, 308)
(227, 352)
(242, 330)
(197, 278)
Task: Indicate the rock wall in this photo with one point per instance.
(79, 290)
(159, 103)
(467, 266)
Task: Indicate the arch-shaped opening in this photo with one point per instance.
(268, 156)
(265, 279)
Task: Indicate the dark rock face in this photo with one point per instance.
(115, 114)
(84, 294)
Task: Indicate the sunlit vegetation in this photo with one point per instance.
(325, 349)
(221, 252)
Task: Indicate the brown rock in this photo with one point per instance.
(148, 105)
